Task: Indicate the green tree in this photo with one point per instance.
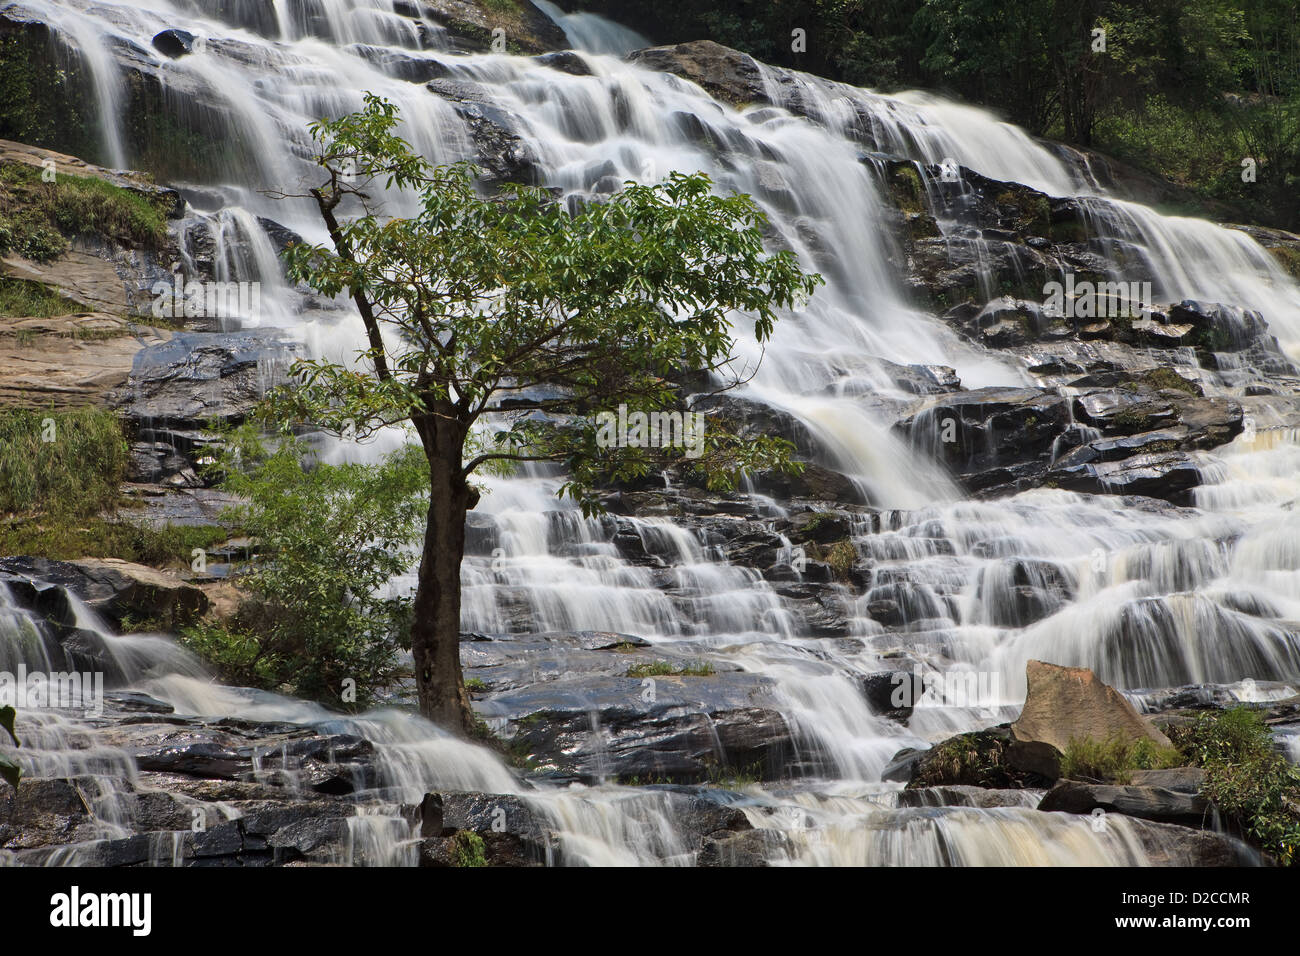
(500, 327)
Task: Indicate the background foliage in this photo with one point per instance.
(1185, 89)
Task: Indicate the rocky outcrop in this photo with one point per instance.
(982, 758)
(196, 378)
(650, 729)
(117, 590)
(525, 29)
(1141, 438)
(721, 71)
(502, 155)
(1070, 703)
(592, 705)
(67, 361)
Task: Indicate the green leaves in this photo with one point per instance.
(1246, 777)
(479, 301)
(329, 540)
(9, 769)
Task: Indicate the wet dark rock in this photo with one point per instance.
(503, 156)
(136, 702)
(961, 795)
(902, 766)
(748, 418)
(282, 237)
(525, 28)
(566, 61)
(174, 43)
(1147, 802)
(199, 759)
(1167, 844)
(668, 728)
(196, 378)
(403, 66)
(994, 439)
(511, 832)
(749, 848)
(722, 72)
(982, 758)
(884, 693)
(922, 379)
(1169, 475)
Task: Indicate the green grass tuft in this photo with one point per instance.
(1115, 760)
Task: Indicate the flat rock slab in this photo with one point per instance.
(70, 360)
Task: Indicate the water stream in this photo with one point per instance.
(1204, 595)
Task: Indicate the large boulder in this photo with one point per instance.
(1071, 703)
(470, 25)
(721, 71)
(672, 728)
(195, 378)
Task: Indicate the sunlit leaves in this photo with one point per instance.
(482, 301)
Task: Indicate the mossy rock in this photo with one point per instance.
(977, 759)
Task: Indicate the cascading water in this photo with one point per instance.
(1154, 599)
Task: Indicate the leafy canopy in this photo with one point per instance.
(470, 298)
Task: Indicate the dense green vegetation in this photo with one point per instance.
(329, 538)
(1115, 760)
(69, 462)
(60, 479)
(1248, 779)
(1184, 88)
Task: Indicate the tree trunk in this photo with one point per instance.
(435, 630)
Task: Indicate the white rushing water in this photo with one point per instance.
(1159, 599)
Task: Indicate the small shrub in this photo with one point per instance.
(329, 539)
(1246, 777)
(976, 758)
(700, 668)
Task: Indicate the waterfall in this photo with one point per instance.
(1151, 598)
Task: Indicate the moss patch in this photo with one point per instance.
(36, 216)
(1159, 378)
